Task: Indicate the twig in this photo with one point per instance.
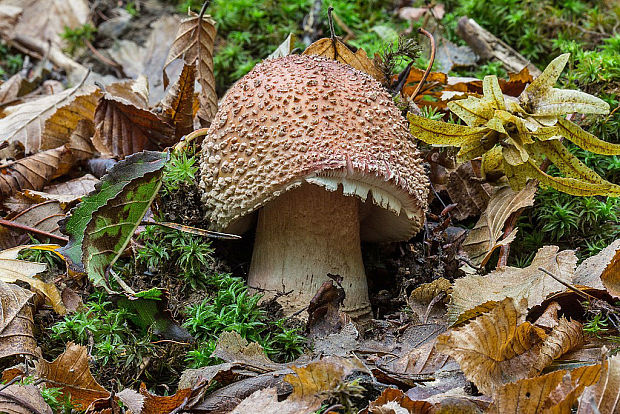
(12, 224)
(115, 65)
(330, 19)
(191, 230)
(568, 285)
(203, 9)
(430, 63)
(13, 381)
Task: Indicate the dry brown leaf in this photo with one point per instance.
(28, 122)
(121, 128)
(23, 399)
(484, 238)
(266, 401)
(528, 283)
(35, 171)
(66, 193)
(470, 194)
(13, 270)
(14, 87)
(604, 396)
(392, 399)
(71, 372)
(420, 298)
(231, 347)
(16, 324)
(601, 271)
(337, 50)
(46, 19)
(495, 348)
(178, 104)
(43, 216)
(194, 44)
(154, 404)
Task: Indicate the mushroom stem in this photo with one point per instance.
(301, 236)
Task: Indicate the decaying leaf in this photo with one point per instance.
(48, 122)
(141, 166)
(603, 397)
(155, 404)
(468, 192)
(194, 44)
(16, 324)
(335, 49)
(122, 128)
(497, 347)
(43, 216)
(13, 270)
(178, 103)
(23, 399)
(601, 271)
(484, 238)
(511, 282)
(231, 347)
(285, 47)
(392, 401)
(71, 372)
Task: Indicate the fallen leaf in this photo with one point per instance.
(28, 122)
(335, 49)
(601, 271)
(43, 216)
(231, 347)
(177, 105)
(16, 324)
(285, 48)
(395, 401)
(484, 238)
(155, 404)
(70, 372)
(450, 56)
(23, 399)
(512, 282)
(602, 397)
(14, 87)
(132, 399)
(497, 347)
(470, 194)
(13, 270)
(194, 44)
(122, 128)
(266, 401)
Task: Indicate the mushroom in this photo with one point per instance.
(323, 156)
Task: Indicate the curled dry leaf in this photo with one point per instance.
(335, 49)
(285, 48)
(178, 103)
(603, 397)
(528, 283)
(601, 271)
(484, 238)
(43, 216)
(70, 372)
(470, 194)
(495, 348)
(48, 122)
(23, 399)
(155, 404)
(16, 324)
(122, 128)
(194, 44)
(394, 401)
(231, 347)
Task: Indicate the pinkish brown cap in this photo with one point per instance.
(310, 119)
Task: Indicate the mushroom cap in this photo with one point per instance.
(310, 119)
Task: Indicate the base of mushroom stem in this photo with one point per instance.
(302, 236)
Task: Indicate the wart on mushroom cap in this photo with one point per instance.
(324, 151)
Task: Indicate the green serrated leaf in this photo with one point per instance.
(123, 173)
(112, 225)
(442, 133)
(585, 140)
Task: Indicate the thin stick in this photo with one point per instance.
(118, 68)
(191, 230)
(12, 224)
(568, 285)
(430, 63)
(204, 9)
(330, 19)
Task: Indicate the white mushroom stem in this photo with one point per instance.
(300, 237)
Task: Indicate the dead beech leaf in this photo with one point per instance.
(470, 194)
(16, 324)
(495, 348)
(285, 48)
(71, 372)
(336, 50)
(16, 86)
(266, 401)
(122, 129)
(528, 283)
(43, 216)
(20, 399)
(603, 397)
(155, 404)
(35, 171)
(194, 44)
(13, 270)
(67, 192)
(178, 103)
(484, 238)
(601, 271)
(28, 122)
(393, 400)
(231, 347)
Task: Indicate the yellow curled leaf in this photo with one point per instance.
(441, 133)
(566, 101)
(539, 87)
(514, 155)
(496, 125)
(491, 161)
(567, 163)
(492, 92)
(474, 111)
(585, 140)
